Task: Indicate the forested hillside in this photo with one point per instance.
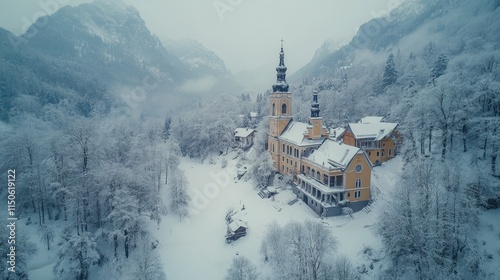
(434, 67)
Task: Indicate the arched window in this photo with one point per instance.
(283, 109)
(274, 110)
(390, 152)
(358, 183)
(318, 176)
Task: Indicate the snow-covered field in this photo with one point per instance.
(195, 248)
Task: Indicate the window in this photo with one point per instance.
(283, 148)
(357, 194)
(358, 183)
(318, 176)
(287, 161)
(302, 168)
(273, 148)
(339, 181)
(378, 153)
(313, 173)
(390, 152)
(332, 182)
(358, 168)
(274, 110)
(283, 109)
(369, 153)
(282, 168)
(383, 152)
(325, 179)
(283, 158)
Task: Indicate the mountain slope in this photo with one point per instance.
(384, 34)
(196, 57)
(111, 38)
(99, 52)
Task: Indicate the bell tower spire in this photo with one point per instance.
(315, 105)
(281, 85)
(316, 129)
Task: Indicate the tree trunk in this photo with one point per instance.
(126, 243)
(42, 204)
(493, 163)
(430, 138)
(115, 244)
(484, 147)
(464, 139)
(444, 141)
(98, 210)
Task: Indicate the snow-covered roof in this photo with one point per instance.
(294, 133)
(371, 119)
(243, 132)
(335, 133)
(372, 130)
(235, 225)
(333, 154)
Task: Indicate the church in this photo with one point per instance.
(328, 175)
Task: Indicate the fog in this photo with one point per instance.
(245, 34)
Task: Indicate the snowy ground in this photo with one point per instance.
(195, 248)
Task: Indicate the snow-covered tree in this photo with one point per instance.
(390, 72)
(439, 67)
(178, 195)
(146, 262)
(241, 269)
(77, 253)
(428, 227)
(299, 250)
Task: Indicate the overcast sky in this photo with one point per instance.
(244, 33)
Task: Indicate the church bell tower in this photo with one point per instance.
(280, 109)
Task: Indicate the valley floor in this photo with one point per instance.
(195, 248)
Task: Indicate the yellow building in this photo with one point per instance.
(380, 140)
(329, 175)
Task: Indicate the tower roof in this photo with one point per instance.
(315, 105)
(281, 85)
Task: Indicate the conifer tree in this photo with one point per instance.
(390, 72)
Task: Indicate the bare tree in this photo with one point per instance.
(242, 269)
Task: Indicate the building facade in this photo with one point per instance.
(329, 175)
(379, 139)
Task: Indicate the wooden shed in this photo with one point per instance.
(236, 229)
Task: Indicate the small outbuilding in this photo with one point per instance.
(235, 230)
(244, 137)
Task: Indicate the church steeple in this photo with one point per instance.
(281, 85)
(316, 129)
(315, 105)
